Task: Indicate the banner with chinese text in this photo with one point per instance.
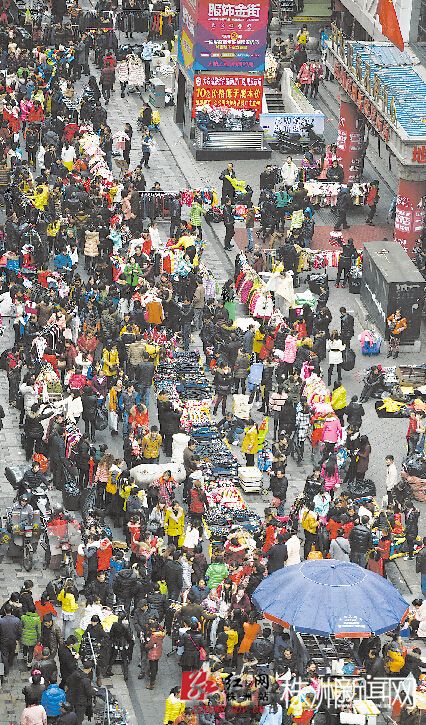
(241, 92)
(187, 31)
(231, 35)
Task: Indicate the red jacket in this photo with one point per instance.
(155, 645)
(104, 555)
(36, 115)
(198, 501)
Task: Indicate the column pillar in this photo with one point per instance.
(350, 140)
(410, 213)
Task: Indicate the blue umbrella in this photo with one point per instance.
(331, 597)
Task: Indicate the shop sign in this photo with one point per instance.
(242, 92)
(409, 219)
(231, 35)
(271, 123)
(362, 101)
(419, 154)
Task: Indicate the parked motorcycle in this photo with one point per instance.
(39, 498)
(296, 143)
(24, 537)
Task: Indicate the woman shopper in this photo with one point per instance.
(250, 444)
(363, 458)
(335, 348)
(66, 598)
(396, 325)
(31, 633)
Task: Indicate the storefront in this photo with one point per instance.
(221, 59)
(382, 89)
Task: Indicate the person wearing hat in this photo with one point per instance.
(34, 690)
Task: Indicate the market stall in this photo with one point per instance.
(182, 377)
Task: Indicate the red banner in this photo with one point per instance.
(242, 92)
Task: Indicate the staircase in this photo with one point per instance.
(274, 102)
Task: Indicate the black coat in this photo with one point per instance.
(125, 584)
(90, 405)
(277, 555)
(79, 688)
(192, 643)
(412, 522)
(56, 448)
(169, 419)
(173, 575)
(360, 538)
(279, 487)
(67, 661)
(355, 413)
(145, 373)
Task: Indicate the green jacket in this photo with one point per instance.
(196, 214)
(216, 573)
(31, 629)
(282, 199)
(132, 273)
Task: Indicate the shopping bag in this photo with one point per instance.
(348, 362)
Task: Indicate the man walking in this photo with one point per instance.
(229, 222)
(10, 633)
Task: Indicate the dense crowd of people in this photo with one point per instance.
(88, 341)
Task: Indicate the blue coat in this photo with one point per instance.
(51, 699)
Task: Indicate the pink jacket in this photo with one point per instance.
(330, 482)
(305, 75)
(332, 430)
(34, 715)
(290, 349)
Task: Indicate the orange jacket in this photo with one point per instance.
(397, 326)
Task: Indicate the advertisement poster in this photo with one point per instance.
(187, 27)
(271, 123)
(231, 35)
(234, 91)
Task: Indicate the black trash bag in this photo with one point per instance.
(71, 494)
(360, 489)
(101, 420)
(316, 282)
(213, 217)
(415, 466)
(348, 362)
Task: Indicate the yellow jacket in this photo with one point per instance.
(151, 446)
(231, 641)
(113, 399)
(68, 602)
(258, 341)
(174, 708)
(110, 361)
(174, 525)
(338, 398)
(250, 442)
(309, 521)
